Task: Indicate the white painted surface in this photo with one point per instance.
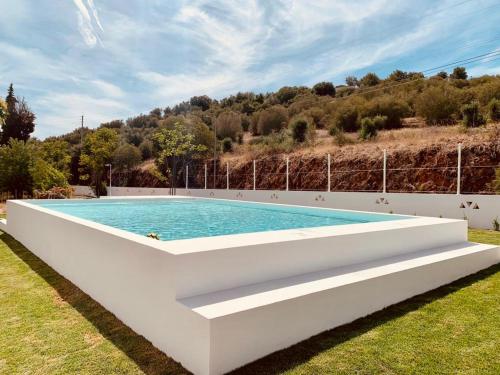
(435, 205)
(217, 303)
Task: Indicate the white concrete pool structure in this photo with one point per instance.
(217, 303)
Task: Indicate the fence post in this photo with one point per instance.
(459, 167)
(384, 175)
(254, 176)
(205, 176)
(329, 176)
(287, 162)
(227, 176)
(187, 174)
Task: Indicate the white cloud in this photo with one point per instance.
(85, 22)
(108, 89)
(63, 111)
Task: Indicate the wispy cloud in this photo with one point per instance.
(86, 22)
(158, 53)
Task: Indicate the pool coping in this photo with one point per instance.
(204, 244)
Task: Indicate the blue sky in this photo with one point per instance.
(112, 59)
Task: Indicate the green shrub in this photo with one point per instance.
(45, 176)
(471, 115)
(228, 125)
(368, 128)
(346, 118)
(324, 89)
(299, 129)
(227, 145)
(438, 104)
(393, 109)
(126, 157)
(146, 149)
(370, 79)
(380, 122)
(494, 110)
(272, 120)
(279, 142)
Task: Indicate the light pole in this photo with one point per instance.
(109, 165)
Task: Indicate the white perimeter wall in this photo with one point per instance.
(480, 210)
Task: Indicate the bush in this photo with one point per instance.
(346, 118)
(228, 125)
(227, 145)
(368, 128)
(393, 109)
(245, 123)
(471, 115)
(146, 149)
(380, 122)
(272, 120)
(126, 157)
(459, 73)
(438, 104)
(45, 176)
(279, 142)
(299, 129)
(324, 89)
(287, 93)
(370, 79)
(494, 110)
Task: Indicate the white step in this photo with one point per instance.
(250, 321)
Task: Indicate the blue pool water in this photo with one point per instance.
(175, 219)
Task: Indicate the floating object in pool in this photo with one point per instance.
(153, 235)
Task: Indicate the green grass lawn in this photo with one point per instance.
(48, 326)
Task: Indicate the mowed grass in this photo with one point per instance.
(49, 326)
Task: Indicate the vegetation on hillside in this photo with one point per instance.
(279, 121)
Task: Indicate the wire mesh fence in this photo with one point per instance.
(387, 173)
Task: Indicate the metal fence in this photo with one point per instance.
(384, 174)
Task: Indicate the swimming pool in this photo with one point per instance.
(175, 219)
(234, 281)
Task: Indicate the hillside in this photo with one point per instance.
(419, 160)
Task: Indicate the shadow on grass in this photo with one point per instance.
(153, 361)
(297, 354)
(149, 359)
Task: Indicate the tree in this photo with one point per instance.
(272, 119)
(3, 111)
(176, 148)
(114, 124)
(126, 157)
(437, 104)
(368, 128)
(202, 102)
(45, 176)
(227, 145)
(459, 73)
(98, 149)
(345, 118)
(324, 89)
(228, 125)
(398, 75)
(394, 109)
(57, 153)
(299, 129)
(16, 163)
(146, 148)
(20, 122)
(351, 81)
(442, 74)
(494, 110)
(370, 79)
(471, 115)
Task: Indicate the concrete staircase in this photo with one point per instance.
(248, 322)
